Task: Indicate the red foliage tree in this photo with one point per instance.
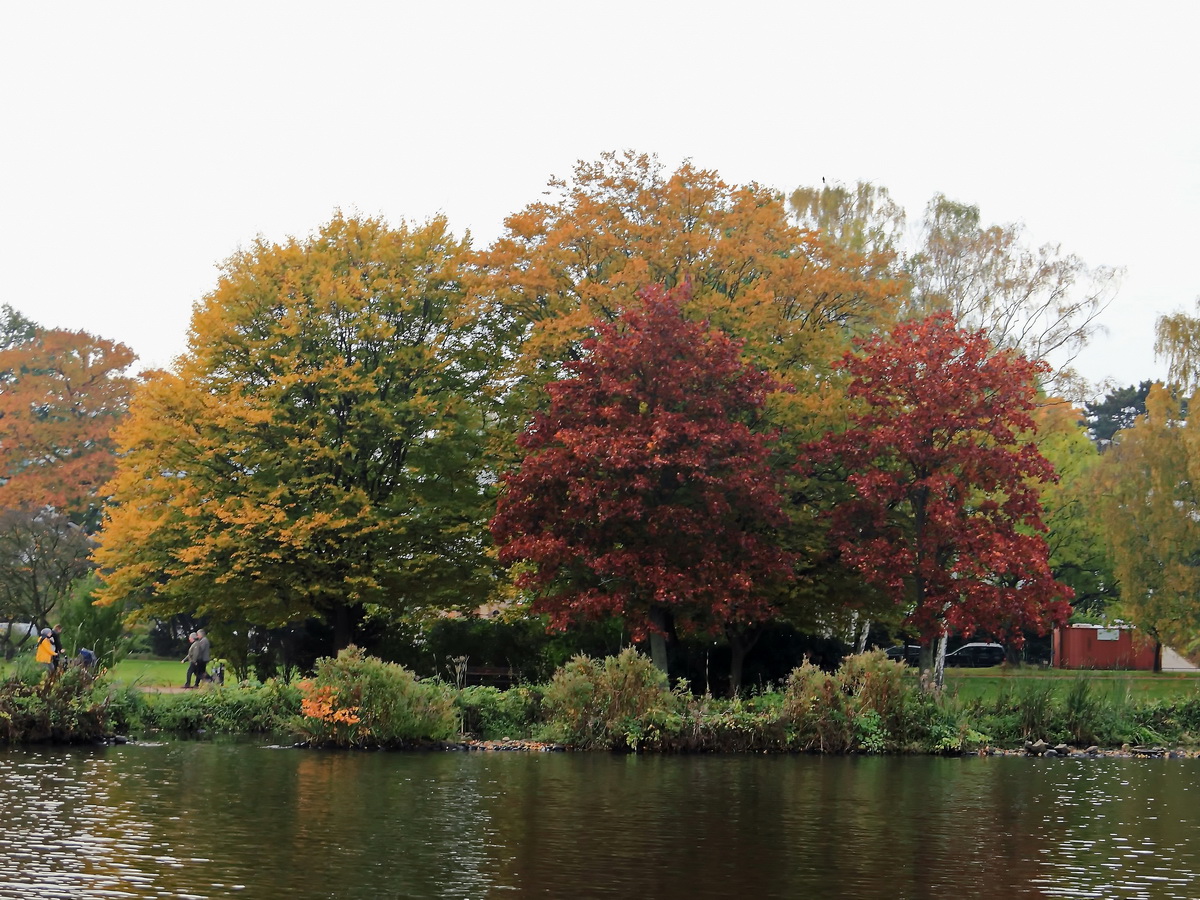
(945, 515)
(646, 491)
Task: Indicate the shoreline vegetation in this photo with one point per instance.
(870, 705)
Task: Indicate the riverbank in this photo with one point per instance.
(868, 706)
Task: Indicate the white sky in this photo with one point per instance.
(141, 143)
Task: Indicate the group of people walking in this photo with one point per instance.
(198, 655)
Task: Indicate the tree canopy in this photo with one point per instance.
(61, 394)
(1075, 520)
(622, 222)
(1150, 498)
(1116, 411)
(1039, 300)
(944, 516)
(647, 489)
(1177, 340)
(318, 449)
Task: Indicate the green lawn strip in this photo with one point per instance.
(140, 672)
(148, 672)
(987, 684)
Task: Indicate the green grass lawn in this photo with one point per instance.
(149, 672)
(965, 684)
(972, 684)
(143, 672)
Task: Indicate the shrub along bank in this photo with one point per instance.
(868, 705)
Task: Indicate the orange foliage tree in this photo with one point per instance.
(622, 223)
(61, 394)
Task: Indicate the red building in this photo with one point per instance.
(1096, 647)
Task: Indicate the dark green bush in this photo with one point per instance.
(65, 708)
(357, 700)
(126, 706)
(619, 702)
(492, 714)
(262, 709)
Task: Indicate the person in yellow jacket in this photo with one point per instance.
(45, 650)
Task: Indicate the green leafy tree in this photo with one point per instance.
(1118, 410)
(1075, 535)
(100, 629)
(42, 554)
(317, 450)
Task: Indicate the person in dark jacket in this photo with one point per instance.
(56, 637)
(190, 659)
(203, 655)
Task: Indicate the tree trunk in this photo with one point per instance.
(939, 662)
(861, 647)
(660, 620)
(741, 642)
(1012, 655)
(341, 628)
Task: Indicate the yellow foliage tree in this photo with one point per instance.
(1150, 495)
(317, 448)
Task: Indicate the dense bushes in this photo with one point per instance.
(493, 714)
(619, 701)
(360, 701)
(251, 709)
(63, 709)
(868, 705)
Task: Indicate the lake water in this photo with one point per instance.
(202, 820)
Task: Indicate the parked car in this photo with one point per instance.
(977, 655)
(905, 653)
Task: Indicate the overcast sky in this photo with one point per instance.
(142, 143)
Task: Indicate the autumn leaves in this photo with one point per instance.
(637, 385)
